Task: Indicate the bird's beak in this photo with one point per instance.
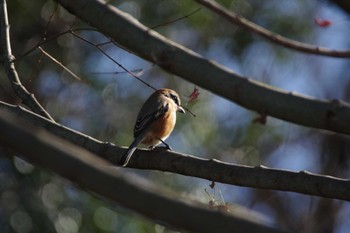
(180, 109)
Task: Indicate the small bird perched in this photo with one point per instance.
(155, 121)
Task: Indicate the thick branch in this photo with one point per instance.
(129, 33)
(276, 38)
(213, 170)
(7, 60)
(345, 5)
(93, 173)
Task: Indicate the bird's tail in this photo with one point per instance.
(128, 153)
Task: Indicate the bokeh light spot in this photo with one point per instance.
(105, 218)
(21, 222)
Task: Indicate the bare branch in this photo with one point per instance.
(114, 61)
(274, 37)
(95, 174)
(212, 170)
(251, 94)
(40, 43)
(9, 66)
(176, 20)
(48, 23)
(59, 63)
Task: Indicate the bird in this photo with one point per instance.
(155, 121)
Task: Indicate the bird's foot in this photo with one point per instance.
(166, 147)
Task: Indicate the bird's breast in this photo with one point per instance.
(160, 128)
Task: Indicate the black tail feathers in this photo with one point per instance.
(128, 153)
(126, 157)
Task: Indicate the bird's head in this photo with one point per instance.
(174, 97)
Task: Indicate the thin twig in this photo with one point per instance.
(9, 66)
(113, 60)
(176, 20)
(118, 72)
(42, 42)
(59, 63)
(48, 23)
(274, 37)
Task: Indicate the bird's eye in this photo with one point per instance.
(174, 97)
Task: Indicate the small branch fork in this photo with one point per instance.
(8, 59)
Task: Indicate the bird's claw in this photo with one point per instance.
(166, 147)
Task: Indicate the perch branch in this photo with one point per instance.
(95, 174)
(212, 170)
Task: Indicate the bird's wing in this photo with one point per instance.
(148, 114)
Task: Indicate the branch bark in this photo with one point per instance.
(129, 33)
(7, 60)
(212, 170)
(91, 172)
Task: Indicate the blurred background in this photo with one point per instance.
(104, 105)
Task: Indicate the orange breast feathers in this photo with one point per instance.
(161, 128)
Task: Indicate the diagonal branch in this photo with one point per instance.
(91, 172)
(7, 60)
(274, 37)
(212, 170)
(251, 94)
(59, 63)
(113, 60)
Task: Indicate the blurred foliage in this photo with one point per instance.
(105, 103)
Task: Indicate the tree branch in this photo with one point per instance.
(239, 20)
(212, 170)
(344, 5)
(91, 172)
(59, 63)
(148, 44)
(7, 60)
